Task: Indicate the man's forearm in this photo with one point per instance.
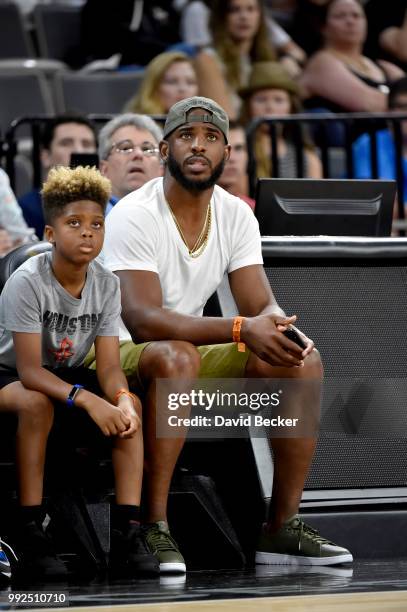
(165, 324)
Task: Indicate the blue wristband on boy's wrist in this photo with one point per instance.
(70, 400)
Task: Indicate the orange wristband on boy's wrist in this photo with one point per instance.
(237, 326)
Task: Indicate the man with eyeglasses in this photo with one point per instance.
(128, 152)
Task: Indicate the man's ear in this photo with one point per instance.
(103, 167)
(228, 149)
(49, 234)
(163, 146)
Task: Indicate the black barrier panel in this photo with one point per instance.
(349, 296)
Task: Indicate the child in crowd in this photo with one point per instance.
(271, 91)
(52, 310)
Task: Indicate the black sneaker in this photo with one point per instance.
(37, 558)
(129, 553)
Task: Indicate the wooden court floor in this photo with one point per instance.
(387, 601)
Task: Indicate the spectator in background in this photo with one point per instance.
(234, 177)
(63, 135)
(240, 38)
(339, 77)
(129, 156)
(169, 77)
(135, 29)
(271, 91)
(386, 150)
(195, 31)
(13, 228)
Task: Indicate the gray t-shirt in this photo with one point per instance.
(33, 301)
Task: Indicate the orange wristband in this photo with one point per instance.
(237, 326)
(125, 392)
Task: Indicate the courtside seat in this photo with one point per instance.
(105, 92)
(13, 260)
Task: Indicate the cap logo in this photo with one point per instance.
(198, 118)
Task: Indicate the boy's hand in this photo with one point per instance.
(128, 408)
(111, 420)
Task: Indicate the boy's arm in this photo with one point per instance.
(111, 420)
(111, 377)
(30, 371)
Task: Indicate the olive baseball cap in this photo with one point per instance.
(177, 115)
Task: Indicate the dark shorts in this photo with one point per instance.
(73, 424)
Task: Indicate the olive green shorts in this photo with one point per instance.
(217, 360)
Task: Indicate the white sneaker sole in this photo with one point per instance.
(173, 568)
(263, 558)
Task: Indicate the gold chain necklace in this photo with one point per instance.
(202, 239)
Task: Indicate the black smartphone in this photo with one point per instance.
(294, 336)
(84, 159)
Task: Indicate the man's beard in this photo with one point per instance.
(194, 186)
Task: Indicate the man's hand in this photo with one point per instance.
(263, 335)
(111, 420)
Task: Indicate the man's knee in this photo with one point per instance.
(313, 367)
(172, 359)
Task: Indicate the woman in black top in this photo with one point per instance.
(339, 77)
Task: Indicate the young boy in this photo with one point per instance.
(52, 309)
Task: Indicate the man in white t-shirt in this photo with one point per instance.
(171, 243)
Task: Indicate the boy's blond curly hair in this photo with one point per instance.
(66, 185)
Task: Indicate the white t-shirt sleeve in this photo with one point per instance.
(131, 240)
(246, 242)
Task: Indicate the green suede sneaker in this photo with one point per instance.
(164, 548)
(298, 544)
